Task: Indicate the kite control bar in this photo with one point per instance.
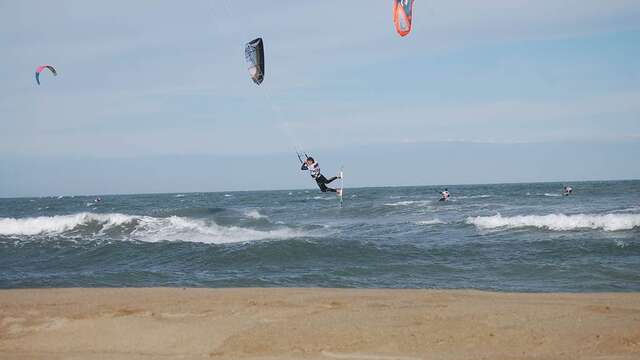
(300, 157)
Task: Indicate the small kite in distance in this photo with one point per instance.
(254, 55)
(402, 16)
(40, 68)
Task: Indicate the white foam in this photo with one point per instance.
(179, 195)
(146, 228)
(545, 194)
(254, 214)
(559, 222)
(430, 222)
(177, 228)
(473, 196)
(59, 223)
(627, 210)
(322, 198)
(620, 243)
(409, 202)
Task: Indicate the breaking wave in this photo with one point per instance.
(60, 223)
(559, 222)
(141, 228)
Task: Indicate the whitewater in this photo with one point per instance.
(508, 237)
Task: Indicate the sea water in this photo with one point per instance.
(505, 237)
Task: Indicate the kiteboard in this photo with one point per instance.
(340, 190)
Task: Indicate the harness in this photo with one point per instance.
(314, 170)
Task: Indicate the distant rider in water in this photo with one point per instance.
(445, 195)
(314, 168)
(568, 190)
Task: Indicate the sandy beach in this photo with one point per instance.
(315, 324)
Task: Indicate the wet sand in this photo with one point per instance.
(172, 323)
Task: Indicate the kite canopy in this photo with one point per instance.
(39, 70)
(402, 10)
(254, 55)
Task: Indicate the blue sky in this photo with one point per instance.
(161, 85)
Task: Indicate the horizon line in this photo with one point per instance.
(313, 188)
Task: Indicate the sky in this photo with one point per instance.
(154, 96)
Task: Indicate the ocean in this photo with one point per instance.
(502, 237)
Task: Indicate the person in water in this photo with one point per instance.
(444, 195)
(314, 169)
(568, 190)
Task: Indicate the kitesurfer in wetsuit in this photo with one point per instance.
(568, 190)
(445, 195)
(314, 168)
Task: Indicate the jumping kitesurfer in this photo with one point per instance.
(314, 169)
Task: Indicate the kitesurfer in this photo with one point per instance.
(568, 190)
(314, 169)
(444, 195)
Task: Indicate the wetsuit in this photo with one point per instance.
(322, 181)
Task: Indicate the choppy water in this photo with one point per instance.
(510, 237)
